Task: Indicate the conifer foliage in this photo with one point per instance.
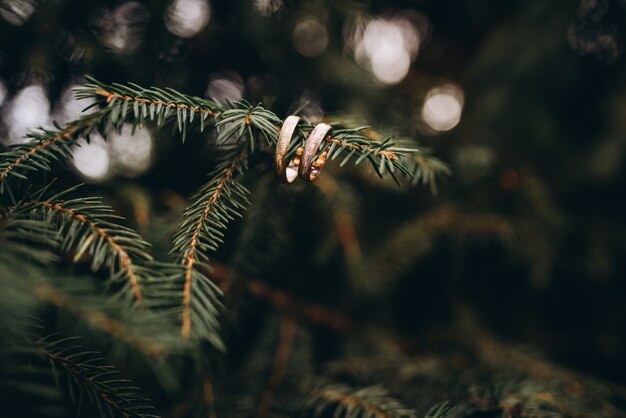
(70, 254)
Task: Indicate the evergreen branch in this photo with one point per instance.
(215, 204)
(161, 105)
(86, 375)
(277, 361)
(47, 147)
(26, 381)
(441, 410)
(138, 104)
(238, 123)
(344, 401)
(19, 236)
(384, 156)
(261, 244)
(84, 226)
(100, 320)
(415, 238)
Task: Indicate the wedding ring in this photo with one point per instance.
(289, 172)
(310, 167)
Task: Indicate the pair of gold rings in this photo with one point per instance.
(304, 163)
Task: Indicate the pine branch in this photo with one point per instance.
(18, 237)
(200, 232)
(439, 411)
(261, 244)
(384, 156)
(415, 238)
(276, 362)
(139, 104)
(87, 378)
(85, 227)
(94, 313)
(239, 123)
(26, 381)
(46, 148)
(344, 401)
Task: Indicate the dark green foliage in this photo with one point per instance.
(89, 383)
(46, 148)
(349, 297)
(157, 310)
(368, 402)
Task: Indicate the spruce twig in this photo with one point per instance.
(46, 148)
(87, 378)
(99, 320)
(343, 401)
(214, 205)
(85, 227)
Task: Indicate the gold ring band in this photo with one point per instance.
(310, 167)
(287, 173)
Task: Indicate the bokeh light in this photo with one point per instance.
(16, 12)
(3, 92)
(131, 155)
(390, 65)
(443, 106)
(122, 29)
(68, 108)
(123, 153)
(310, 37)
(385, 46)
(309, 105)
(91, 160)
(472, 162)
(186, 18)
(267, 7)
(28, 110)
(226, 86)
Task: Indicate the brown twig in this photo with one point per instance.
(77, 370)
(288, 327)
(352, 402)
(390, 155)
(109, 96)
(207, 392)
(65, 135)
(125, 261)
(191, 256)
(99, 320)
(282, 301)
(344, 224)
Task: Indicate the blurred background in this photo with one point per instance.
(524, 99)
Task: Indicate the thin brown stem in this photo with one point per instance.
(390, 155)
(283, 301)
(207, 392)
(99, 320)
(110, 96)
(344, 224)
(288, 328)
(125, 261)
(191, 255)
(79, 372)
(66, 134)
(352, 402)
